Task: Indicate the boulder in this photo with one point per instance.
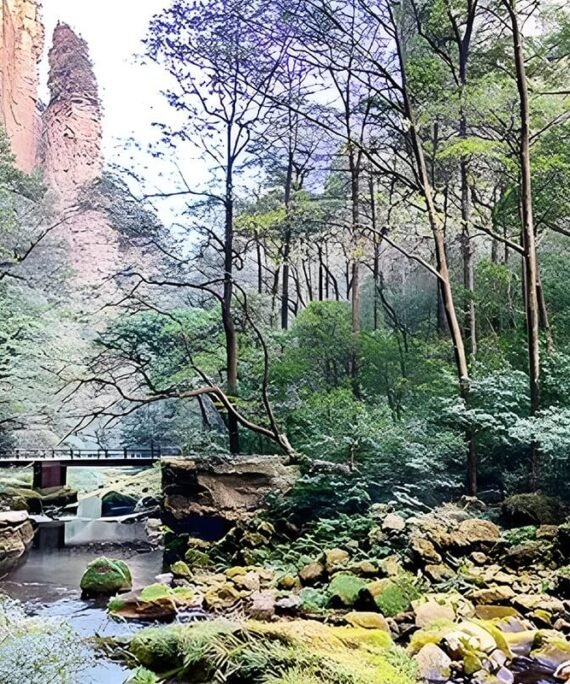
(367, 620)
(312, 573)
(498, 594)
(533, 509)
(263, 605)
(205, 497)
(105, 577)
(431, 611)
(157, 602)
(424, 551)
(344, 590)
(393, 523)
(335, 558)
(528, 554)
(434, 665)
(476, 531)
(16, 537)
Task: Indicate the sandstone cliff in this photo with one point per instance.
(21, 45)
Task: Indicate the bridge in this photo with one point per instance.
(50, 465)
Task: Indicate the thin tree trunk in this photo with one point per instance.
(528, 236)
(286, 245)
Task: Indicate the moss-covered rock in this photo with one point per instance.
(181, 569)
(397, 594)
(106, 576)
(156, 602)
(520, 510)
(344, 590)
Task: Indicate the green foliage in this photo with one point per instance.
(39, 651)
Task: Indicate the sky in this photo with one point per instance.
(113, 29)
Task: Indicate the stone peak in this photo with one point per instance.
(71, 74)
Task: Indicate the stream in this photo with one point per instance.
(47, 583)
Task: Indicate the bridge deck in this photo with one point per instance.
(85, 457)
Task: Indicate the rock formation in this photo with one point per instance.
(16, 536)
(205, 497)
(21, 46)
(72, 160)
(71, 141)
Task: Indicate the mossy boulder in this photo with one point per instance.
(521, 510)
(396, 594)
(105, 577)
(158, 648)
(157, 602)
(344, 590)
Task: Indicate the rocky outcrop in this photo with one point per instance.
(21, 46)
(16, 536)
(204, 497)
(71, 144)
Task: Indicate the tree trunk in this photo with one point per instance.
(528, 236)
(286, 245)
(227, 316)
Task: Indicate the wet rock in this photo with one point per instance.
(434, 665)
(158, 602)
(105, 577)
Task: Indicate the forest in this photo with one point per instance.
(344, 241)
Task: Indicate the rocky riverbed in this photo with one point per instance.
(444, 596)
(463, 594)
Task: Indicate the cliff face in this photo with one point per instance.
(21, 45)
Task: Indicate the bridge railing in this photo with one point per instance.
(124, 453)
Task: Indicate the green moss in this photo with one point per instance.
(158, 648)
(533, 509)
(197, 559)
(106, 576)
(181, 569)
(398, 595)
(431, 634)
(344, 589)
